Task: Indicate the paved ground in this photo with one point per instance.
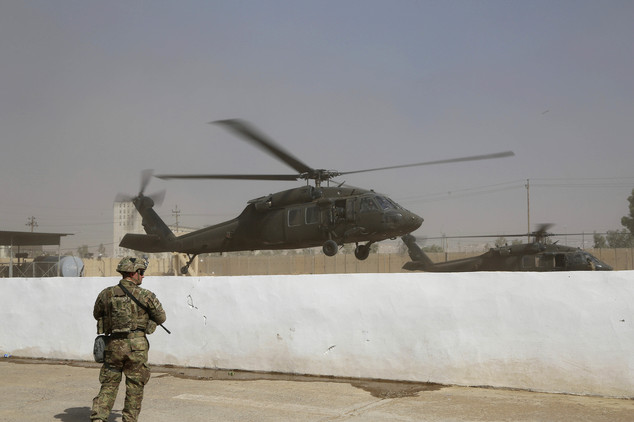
(34, 391)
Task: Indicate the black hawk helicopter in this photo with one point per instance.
(302, 217)
(538, 255)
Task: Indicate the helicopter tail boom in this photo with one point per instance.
(144, 243)
(152, 223)
(159, 237)
(420, 260)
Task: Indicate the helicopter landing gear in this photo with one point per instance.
(330, 247)
(185, 267)
(362, 251)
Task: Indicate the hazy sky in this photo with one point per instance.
(92, 93)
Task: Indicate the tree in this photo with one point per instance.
(500, 241)
(82, 251)
(433, 248)
(628, 221)
(619, 239)
(599, 241)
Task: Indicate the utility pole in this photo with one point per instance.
(31, 223)
(175, 213)
(528, 208)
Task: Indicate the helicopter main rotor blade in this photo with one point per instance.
(286, 177)
(451, 160)
(249, 133)
(479, 236)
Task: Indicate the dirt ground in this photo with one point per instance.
(46, 390)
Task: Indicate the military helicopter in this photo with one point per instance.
(538, 255)
(302, 217)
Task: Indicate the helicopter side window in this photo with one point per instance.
(294, 217)
(560, 261)
(545, 261)
(577, 259)
(367, 204)
(528, 261)
(312, 215)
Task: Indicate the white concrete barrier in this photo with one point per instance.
(554, 332)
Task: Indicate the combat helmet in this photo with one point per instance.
(130, 264)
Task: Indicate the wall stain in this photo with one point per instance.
(383, 389)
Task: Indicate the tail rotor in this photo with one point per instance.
(147, 201)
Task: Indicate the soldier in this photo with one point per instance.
(126, 325)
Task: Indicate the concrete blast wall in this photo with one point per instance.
(553, 332)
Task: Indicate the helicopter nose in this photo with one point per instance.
(406, 222)
(392, 219)
(415, 221)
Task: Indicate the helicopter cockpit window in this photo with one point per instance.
(312, 215)
(367, 204)
(595, 262)
(295, 217)
(394, 204)
(385, 203)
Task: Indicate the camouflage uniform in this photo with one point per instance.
(126, 346)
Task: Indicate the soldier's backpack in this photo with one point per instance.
(121, 314)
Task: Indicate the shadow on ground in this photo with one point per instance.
(81, 414)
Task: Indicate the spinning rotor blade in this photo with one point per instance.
(542, 228)
(158, 197)
(451, 160)
(479, 236)
(249, 133)
(290, 177)
(539, 233)
(123, 197)
(146, 175)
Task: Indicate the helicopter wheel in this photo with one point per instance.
(330, 247)
(185, 268)
(362, 252)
